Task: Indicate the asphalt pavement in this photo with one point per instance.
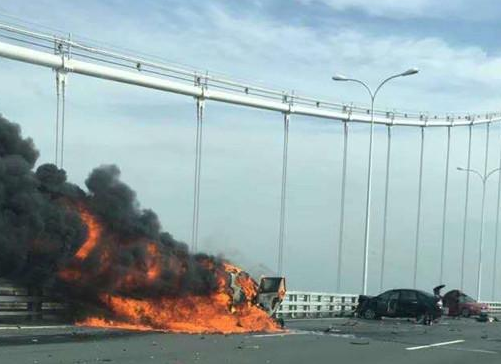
(305, 341)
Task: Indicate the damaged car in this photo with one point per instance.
(268, 294)
(411, 303)
(458, 303)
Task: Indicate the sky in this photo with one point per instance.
(288, 45)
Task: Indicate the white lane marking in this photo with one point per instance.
(287, 333)
(304, 332)
(435, 345)
(272, 335)
(322, 319)
(474, 350)
(34, 327)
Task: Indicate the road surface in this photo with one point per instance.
(306, 341)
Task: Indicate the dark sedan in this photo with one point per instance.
(423, 306)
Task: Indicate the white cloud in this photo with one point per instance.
(302, 58)
(381, 7)
(251, 46)
(464, 9)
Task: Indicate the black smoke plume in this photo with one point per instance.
(41, 229)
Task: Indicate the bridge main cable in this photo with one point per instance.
(133, 71)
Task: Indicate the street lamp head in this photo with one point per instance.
(460, 169)
(338, 77)
(410, 71)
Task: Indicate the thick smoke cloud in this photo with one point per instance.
(37, 229)
(41, 229)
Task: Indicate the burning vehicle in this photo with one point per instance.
(423, 306)
(458, 303)
(270, 293)
(110, 260)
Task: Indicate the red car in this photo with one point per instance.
(457, 303)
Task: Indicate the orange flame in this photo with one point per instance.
(216, 312)
(153, 263)
(94, 233)
(192, 314)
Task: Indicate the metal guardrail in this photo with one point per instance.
(18, 303)
(494, 307)
(299, 304)
(302, 304)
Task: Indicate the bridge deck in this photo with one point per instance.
(347, 341)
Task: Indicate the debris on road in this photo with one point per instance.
(241, 347)
(484, 317)
(350, 323)
(330, 329)
(360, 342)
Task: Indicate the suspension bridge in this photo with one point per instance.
(66, 55)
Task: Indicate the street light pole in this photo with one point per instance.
(373, 95)
(484, 179)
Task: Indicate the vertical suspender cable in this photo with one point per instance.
(341, 215)
(61, 79)
(281, 234)
(496, 241)
(444, 209)
(200, 108)
(58, 89)
(418, 219)
(482, 218)
(196, 185)
(385, 213)
(465, 221)
(63, 112)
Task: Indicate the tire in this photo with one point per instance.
(465, 312)
(369, 314)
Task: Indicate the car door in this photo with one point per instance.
(382, 303)
(387, 303)
(408, 303)
(393, 303)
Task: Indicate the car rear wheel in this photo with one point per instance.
(369, 314)
(465, 312)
